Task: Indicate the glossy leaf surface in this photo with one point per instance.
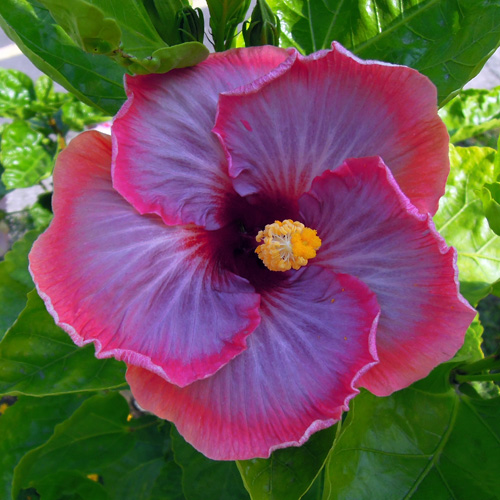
(287, 474)
(16, 94)
(201, 475)
(28, 423)
(95, 79)
(15, 280)
(124, 31)
(95, 436)
(472, 112)
(147, 471)
(461, 220)
(38, 358)
(447, 41)
(23, 155)
(412, 445)
(491, 203)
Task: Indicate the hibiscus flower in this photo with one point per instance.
(255, 241)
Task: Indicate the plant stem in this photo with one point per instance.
(489, 363)
(488, 377)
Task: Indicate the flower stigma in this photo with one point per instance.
(286, 245)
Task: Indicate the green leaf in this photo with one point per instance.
(28, 423)
(418, 445)
(201, 475)
(124, 31)
(447, 41)
(490, 196)
(461, 221)
(77, 115)
(95, 436)
(471, 113)
(163, 16)
(48, 101)
(38, 358)
(86, 25)
(23, 155)
(124, 457)
(225, 15)
(147, 471)
(15, 280)
(70, 485)
(16, 94)
(168, 58)
(94, 79)
(288, 473)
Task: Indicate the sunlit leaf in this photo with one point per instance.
(287, 474)
(86, 24)
(201, 475)
(490, 196)
(23, 156)
(77, 115)
(28, 423)
(462, 222)
(471, 113)
(123, 31)
(447, 41)
(15, 281)
(94, 79)
(16, 94)
(38, 358)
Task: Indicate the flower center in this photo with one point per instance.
(287, 244)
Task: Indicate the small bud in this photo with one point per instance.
(190, 24)
(263, 27)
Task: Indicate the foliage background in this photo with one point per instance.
(68, 426)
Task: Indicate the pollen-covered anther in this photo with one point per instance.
(286, 245)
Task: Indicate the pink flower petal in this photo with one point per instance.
(166, 159)
(143, 292)
(371, 230)
(316, 337)
(281, 133)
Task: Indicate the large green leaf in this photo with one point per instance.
(15, 281)
(471, 113)
(490, 196)
(124, 31)
(38, 358)
(16, 94)
(461, 220)
(28, 423)
(94, 79)
(449, 41)
(69, 484)
(419, 445)
(23, 155)
(202, 476)
(95, 436)
(124, 457)
(147, 471)
(287, 474)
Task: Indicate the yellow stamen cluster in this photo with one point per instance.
(286, 245)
